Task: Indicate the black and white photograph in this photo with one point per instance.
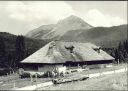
(63, 45)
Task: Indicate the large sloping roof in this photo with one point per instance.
(55, 52)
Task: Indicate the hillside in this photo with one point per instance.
(103, 36)
(9, 43)
(39, 32)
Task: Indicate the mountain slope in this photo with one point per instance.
(39, 32)
(70, 23)
(30, 43)
(74, 28)
(98, 35)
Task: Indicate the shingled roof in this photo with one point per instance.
(57, 52)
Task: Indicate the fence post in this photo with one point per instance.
(31, 79)
(36, 79)
(88, 72)
(9, 77)
(13, 72)
(10, 72)
(100, 73)
(14, 85)
(114, 70)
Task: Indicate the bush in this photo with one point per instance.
(25, 75)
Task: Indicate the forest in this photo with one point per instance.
(14, 48)
(120, 53)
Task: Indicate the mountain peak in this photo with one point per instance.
(73, 16)
(72, 19)
(68, 24)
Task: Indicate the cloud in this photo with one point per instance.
(22, 16)
(49, 12)
(97, 18)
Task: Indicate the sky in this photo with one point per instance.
(20, 17)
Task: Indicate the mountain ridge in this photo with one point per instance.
(40, 31)
(74, 28)
(70, 23)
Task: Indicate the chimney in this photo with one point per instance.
(70, 48)
(99, 49)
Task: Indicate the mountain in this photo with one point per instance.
(55, 31)
(74, 28)
(63, 26)
(99, 35)
(39, 32)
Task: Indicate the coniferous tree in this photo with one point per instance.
(116, 56)
(2, 50)
(126, 45)
(20, 49)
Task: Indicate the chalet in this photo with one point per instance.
(58, 55)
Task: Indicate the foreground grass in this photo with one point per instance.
(117, 81)
(107, 82)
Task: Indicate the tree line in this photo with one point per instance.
(120, 53)
(14, 49)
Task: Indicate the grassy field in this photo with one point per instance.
(117, 81)
(6, 84)
(18, 83)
